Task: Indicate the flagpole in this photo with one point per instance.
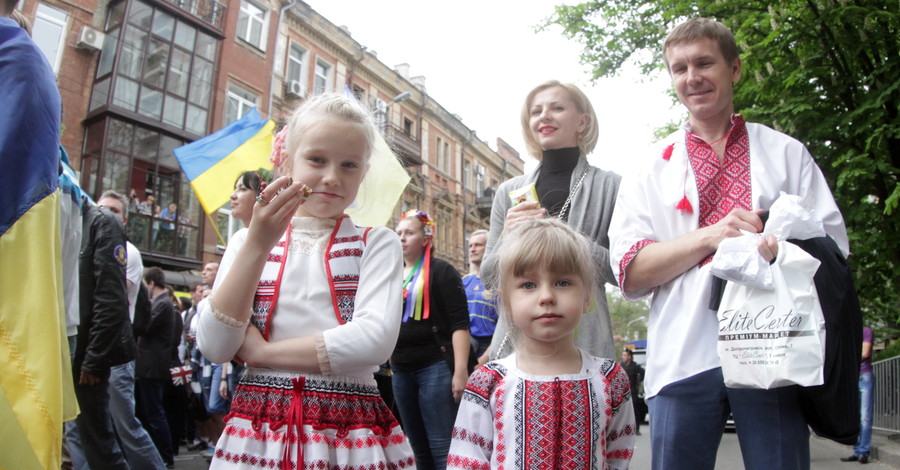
(216, 228)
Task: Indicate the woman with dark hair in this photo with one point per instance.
(430, 361)
(247, 186)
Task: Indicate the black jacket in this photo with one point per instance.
(104, 333)
(157, 345)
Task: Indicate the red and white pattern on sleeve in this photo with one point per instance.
(726, 186)
(629, 257)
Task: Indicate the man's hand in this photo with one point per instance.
(88, 378)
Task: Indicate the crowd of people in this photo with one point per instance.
(274, 360)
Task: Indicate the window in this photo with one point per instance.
(323, 72)
(227, 225)
(479, 179)
(164, 69)
(294, 72)
(446, 158)
(238, 103)
(439, 152)
(379, 113)
(407, 126)
(467, 174)
(49, 33)
(164, 214)
(252, 24)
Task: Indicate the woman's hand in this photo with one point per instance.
(521, 212)
(253, 348)
(272, 214)
(458, 384)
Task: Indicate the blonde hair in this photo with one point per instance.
(587, 139)
(542, 244)
(318, 108)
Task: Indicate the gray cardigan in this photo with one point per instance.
(589, 213)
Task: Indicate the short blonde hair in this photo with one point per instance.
(542, 244)
(317, 108)
(587, 139)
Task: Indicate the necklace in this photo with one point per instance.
(562, 212)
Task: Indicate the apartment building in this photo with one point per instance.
(139, 78)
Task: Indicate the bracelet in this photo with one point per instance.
(225, 319)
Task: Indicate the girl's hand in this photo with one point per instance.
(273, 210)
(458, 384)
(520, 212)
(252, 350)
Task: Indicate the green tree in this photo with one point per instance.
(629, 319)
(824, 71)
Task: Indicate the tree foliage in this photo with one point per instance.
(824, 71)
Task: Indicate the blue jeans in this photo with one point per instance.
(687, 419)
(139, 449)
(866, 386)
(216, 403)
(427, 411)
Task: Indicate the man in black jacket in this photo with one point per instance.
(104, 337)
(157, 348)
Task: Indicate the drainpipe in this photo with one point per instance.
(281, 13)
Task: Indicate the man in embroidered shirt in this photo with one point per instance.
(482, 309)
(712, 179)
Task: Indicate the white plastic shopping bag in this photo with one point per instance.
(772, 338)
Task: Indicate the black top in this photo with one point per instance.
(425, 342)
(555, 176)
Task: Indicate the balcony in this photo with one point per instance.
(484, 202)
(404, 144)
(210, 12)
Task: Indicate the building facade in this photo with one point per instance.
(139, 78)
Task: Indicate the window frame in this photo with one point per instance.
(232, 93)
(61, 42)
(247, 35)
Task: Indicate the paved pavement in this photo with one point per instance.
(825, 454)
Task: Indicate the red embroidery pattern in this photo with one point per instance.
(555, 429)
(629, 256)
(722, 187)
(266, 399)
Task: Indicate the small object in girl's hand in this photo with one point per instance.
(307, 191)
(524, 194)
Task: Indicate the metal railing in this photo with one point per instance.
(886, 415)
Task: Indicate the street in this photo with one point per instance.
(825, 455)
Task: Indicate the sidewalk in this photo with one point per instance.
(885, 448)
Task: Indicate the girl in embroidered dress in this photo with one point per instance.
(310, 302)
(549, 404)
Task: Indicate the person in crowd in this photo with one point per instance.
(549, 404)
(164, 231)
(104, 339)
(136, 443)
(208, 274)
(430, 364)
(866, 402)
(560, 129)
(157, 349)
(709, 181)
(148, 206)
(635, 377)
(247, 186)
(482, 308)
(308, 397)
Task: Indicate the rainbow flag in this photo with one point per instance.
(213, 163)
(34, 398)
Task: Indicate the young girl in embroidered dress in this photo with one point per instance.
(549, 404)
(311, 303)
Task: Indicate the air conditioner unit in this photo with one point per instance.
(90, 38)
(294, 87)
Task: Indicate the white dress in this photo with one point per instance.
(509, 419)
(345, 423)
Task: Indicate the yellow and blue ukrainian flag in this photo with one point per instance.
(213, 163)
(34, 397)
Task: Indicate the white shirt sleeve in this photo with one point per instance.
(134, 269)
(217, 341)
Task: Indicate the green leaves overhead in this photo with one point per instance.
(824, 71)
